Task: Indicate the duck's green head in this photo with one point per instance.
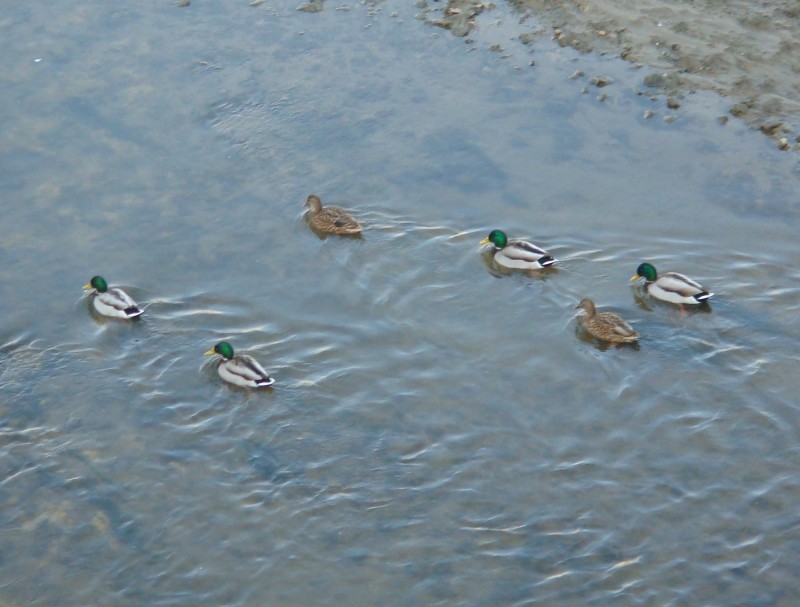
(98, 283)
(646, 271)
(497, 237)
(223, 348)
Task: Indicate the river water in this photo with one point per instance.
(440, 432)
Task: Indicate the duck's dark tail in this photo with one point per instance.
(547, 261)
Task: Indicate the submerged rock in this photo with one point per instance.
(601, 81)
(738, 49)
(667, 81)
(314, 6)
(459, 16)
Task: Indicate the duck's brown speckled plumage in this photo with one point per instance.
(330, 219)
(606, 326)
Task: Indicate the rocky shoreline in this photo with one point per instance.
(748, 52)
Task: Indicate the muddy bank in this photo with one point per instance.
(748, 52)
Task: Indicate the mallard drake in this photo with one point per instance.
(671, 286)
(112, 302)
(605, 326)
(330, 219)
(240, 370)
(517, 254)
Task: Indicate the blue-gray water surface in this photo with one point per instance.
(440, 431)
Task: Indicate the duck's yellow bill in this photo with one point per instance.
(88, 285)
(485, 241)
(634, 277)
(209, 353)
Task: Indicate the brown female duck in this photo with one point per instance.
(330, 219)
(605, 326)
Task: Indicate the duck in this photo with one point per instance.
(240, 369)
(605, 326)
(331, 219)
(112, 302)
(517, 254)
(671, 286)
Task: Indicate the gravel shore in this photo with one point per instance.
(746, 51)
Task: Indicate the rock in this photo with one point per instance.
(667, 81)
(771, 128)
(740, 109)
(459, 16)
(600, 81)
(314, 6)
(461, 28)
(672, 103)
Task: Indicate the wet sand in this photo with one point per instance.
(748, 52)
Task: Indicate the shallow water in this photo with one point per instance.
(440, 432)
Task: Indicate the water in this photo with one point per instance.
(439, 433)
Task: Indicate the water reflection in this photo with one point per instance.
(436, 433)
